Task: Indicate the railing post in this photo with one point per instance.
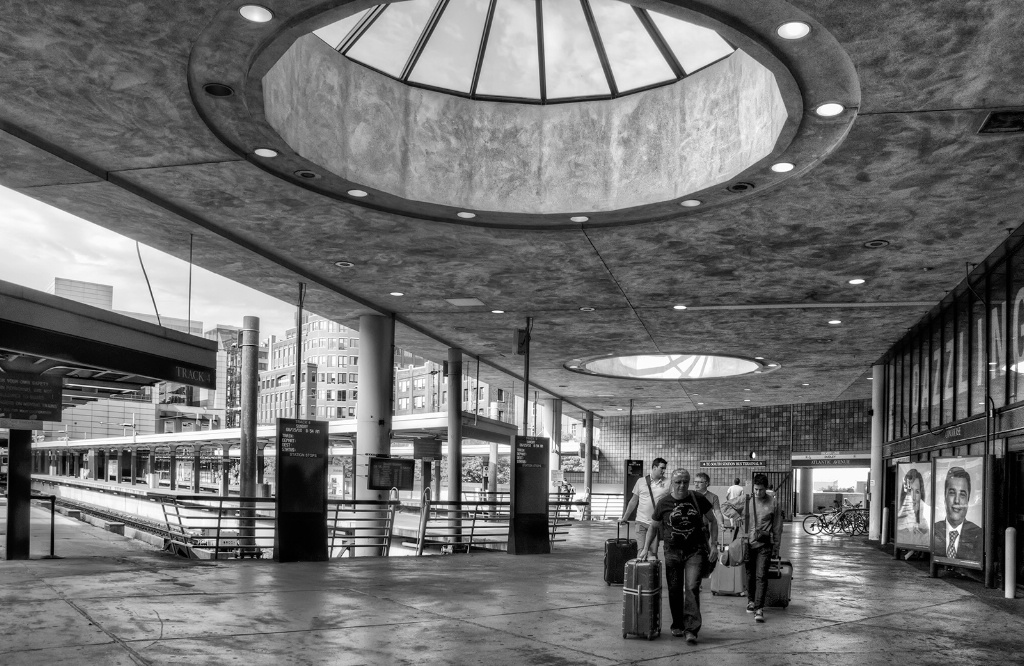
(1010, 565)
(424, 513)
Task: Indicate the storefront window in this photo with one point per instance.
(979, 358)
(915, 385)
(997, 334)
(890, 398)
(963, 356)
(948, 362)
(1015, 339)
(935, 375)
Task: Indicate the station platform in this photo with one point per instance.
(112, 601)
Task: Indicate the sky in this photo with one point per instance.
(40, 243)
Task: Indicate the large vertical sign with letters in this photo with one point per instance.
(528, 531)
(301, 534)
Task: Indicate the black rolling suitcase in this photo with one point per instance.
(780, 584)
(616, 552)
(641, 599)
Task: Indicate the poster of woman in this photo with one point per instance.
(957, 536)
(914, 507)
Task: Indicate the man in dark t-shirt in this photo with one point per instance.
(681, 513)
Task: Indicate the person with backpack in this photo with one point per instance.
(681, 514)
(764, 522)
(646, 493)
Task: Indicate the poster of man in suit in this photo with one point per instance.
(957, 537)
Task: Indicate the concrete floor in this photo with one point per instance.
(114, 601)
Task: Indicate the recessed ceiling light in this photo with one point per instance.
(604, 395)
(357, 193)
(255, 13)
(793, 30)
(695, 394)
(857, 281)
(266, 152)
(870, 378)
(619, 408)
(757, 372)
(690, 203)
(657, 406)
(759, 358)
(466, 215)
(397, 293)
(875, 244)
(344, 264)
(829, 109)
(587, 309)
(782, 167)
(678, 307)
(746, 399)
(773, 365)
(307, 174)
(700, 403)
(500, 312)
(805, 385)
(835, 322)
(579, 218)
(218, 90)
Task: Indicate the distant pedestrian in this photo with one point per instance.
(764, 520)
(734, 492)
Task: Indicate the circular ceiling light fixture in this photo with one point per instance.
(875, 244)
(857, 281)
(256, 13)
(466, 215)
(265, 152)
(397, 293)
(497, 312)
(667, 367)
(746, 399)
(579, 218)
(690, 203)
(829, 109)
(344, 264)
(357, 193)
(782, 167)
(218, 90)
(586, 308)
(307, 174)
(739, 188)
(700, 403)
(678, 307)
(793, 30)
(834, 322)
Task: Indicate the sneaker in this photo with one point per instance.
(677, 632)
(759, 615)
(750, 607)
(691, 638)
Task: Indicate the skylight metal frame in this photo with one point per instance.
(442, 5)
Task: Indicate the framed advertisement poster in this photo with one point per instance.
(914, 506)
(957, 535)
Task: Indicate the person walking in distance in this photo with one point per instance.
(764, 522)
(735, 492)
(646, 493)
(682, 513)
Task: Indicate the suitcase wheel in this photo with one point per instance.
(713, 593)
(624, 634)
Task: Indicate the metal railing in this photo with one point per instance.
(606, 506)
(355, 525)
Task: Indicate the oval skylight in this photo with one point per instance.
(668, 367)
(526, 50)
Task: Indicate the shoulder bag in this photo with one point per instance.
(738, 550)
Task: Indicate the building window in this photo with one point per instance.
(330, 395)
(342, 395)
(501, 395)
(340, 412)
(403, 386)
(465, 395)
(354, 360)
(355, 395)
(418, 401)
(419, 383)
(403, 403)
(341, 377)
(351, 411)
(353, 377)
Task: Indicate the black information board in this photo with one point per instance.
(530, 479)
(301, 533)
(388, 473)
(634, 472)
(30, 397)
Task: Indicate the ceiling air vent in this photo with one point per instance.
(1003, 122)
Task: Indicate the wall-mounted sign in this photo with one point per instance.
(426, 447)
(832, 462)
(733, 463)
(388, 473)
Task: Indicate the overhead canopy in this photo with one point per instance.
(88, 352)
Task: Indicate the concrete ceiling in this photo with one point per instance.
(97, 117)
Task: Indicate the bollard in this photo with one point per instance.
(1010, 567)
(885, 525)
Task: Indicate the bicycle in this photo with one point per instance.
(850, 519)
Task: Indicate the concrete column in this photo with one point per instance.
(19, 494)
(94, 461)
(225, 471)
(174, 470)
(455, 425)
(260, 465)
(806, 490)
(878, 383)
(551, 427)
(134, 466)
(373, 410)
(249, 474)
(492, 472)
(197, 464)
(588, 445)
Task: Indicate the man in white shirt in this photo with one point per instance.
(646, 494)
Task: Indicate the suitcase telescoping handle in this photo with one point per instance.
(618, 529)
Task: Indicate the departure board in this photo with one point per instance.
(531, 479)
(388, 473)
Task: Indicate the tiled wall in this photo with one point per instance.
(774, 433)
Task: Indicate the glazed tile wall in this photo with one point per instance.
(774, 433)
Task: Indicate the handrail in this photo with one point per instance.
(52, 499)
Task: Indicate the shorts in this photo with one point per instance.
(641, 534)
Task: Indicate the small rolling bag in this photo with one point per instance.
(728, 580)
(780, 584)
(641, 599)
(616, 552)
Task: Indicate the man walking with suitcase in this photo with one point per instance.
(764, 521)
(646, 494)
(681, 514)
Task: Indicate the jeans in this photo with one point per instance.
(757, 574)
(683, 574)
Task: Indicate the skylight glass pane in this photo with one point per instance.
(449, 57)
(335, 33)
(693, 46)
(510, 67)
(635, 60)
(387, 43)
(572, 66)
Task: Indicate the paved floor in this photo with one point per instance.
(114, 601)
